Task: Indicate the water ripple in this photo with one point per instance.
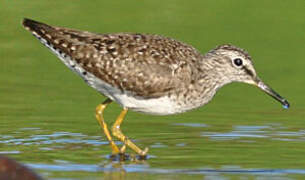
(145, 168)
(52, 138)
(191, 124)
(274, 132)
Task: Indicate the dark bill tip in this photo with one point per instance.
(273, 94)
(286, 104)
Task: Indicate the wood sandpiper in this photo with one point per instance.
(147, 73)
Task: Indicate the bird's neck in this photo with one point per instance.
(212, 72)
(210, 78)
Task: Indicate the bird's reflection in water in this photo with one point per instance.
(122, 166)
(127, 157)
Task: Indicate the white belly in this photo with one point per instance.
(157, 106)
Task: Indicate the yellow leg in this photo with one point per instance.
(117, 133)
(99, 116)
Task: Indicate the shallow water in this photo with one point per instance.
(78, 156)
(47, 113)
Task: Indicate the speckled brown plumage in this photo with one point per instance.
(125, 60)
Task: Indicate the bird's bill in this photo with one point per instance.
(273, 94)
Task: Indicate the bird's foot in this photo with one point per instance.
(142, 155)
(120, 157)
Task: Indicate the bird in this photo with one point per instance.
(147, 73)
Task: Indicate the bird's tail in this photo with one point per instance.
(52, 37)
(36, 27)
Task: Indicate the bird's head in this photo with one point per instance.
(235, 65)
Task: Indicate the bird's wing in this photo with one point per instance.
(146, 65)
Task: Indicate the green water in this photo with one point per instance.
(47, 112)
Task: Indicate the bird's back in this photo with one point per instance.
(144, 65)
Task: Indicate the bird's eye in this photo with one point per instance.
(238, 62)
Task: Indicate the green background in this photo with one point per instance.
(242, 129)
